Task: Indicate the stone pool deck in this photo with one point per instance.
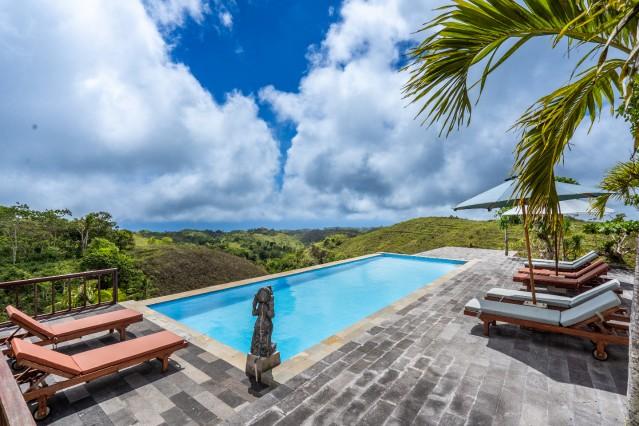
(426, 364)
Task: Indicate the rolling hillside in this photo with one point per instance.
(427, 233)
(174, 268)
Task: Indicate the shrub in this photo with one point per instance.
(103, 254)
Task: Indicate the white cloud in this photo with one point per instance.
(172, 13)
(120, 126)
(359, 153)
(226, 19)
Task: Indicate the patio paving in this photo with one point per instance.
(428, 364)
(432, 365)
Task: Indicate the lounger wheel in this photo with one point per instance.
(15, 366)
(600, 356)
(38, 416)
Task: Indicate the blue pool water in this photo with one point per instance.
(309, 306)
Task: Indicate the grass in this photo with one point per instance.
(427, 233)
(176, 268)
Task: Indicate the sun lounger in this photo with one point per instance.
(565, 265)
(589, 278)
(567, 274)
(589, 320)
(51, 334)
(86, 366)
(553, 301)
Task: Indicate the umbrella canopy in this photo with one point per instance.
(503, 195)
(567, 208)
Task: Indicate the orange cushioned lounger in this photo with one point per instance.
(86, 366)
(566, 274)
(56, 333)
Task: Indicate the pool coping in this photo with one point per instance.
(303, 360)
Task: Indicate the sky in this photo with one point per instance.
(230, 114)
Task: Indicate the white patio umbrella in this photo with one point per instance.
(503, 195)
(567, 208)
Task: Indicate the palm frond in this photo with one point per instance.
(548, 126)
(472, 31)
(623, 183)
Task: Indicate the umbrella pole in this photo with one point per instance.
(557, 231)
(556, 252)
(506, 239)
(530, 265)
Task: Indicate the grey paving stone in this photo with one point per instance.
(322, 397)
(269, 418)
(372, 394)
(388, 377)
(450, 419)
(408, 408)
(289, 403)
(175, 416)
(231, 398)
(402, 386)
(297, 416)
(352, 412)
(378, 414)
(193, 409)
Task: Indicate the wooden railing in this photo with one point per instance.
(13, 408)
(61, 294)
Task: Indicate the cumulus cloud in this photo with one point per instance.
(96, 115)
(226, 19)
(358, 152)
(172, 13)
(118, 125)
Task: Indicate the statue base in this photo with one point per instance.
(258, 370)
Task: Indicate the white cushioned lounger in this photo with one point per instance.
(528, 313)
(565, 318)
(575, 264)
(552, 299)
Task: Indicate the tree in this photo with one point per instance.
(12, 218)
(483, 34)
(505, 222)
(103, 254)
(98, 224)
(619, 233)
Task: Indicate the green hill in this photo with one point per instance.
(427, 233)
(173, 268)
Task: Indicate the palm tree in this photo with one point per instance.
(483, 34)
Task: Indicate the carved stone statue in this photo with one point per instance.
(264, 310)
(263, 356)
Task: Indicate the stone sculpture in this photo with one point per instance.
(264, 310)
(263, 355)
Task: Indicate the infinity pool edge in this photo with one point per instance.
(303, 360)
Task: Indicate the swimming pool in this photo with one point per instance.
(309, 306)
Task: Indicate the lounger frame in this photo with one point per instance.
(45, 340)
(36, 374)
(565, 274)
(563, 265)
(592, 277)
(621, 315)
(601, 331)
